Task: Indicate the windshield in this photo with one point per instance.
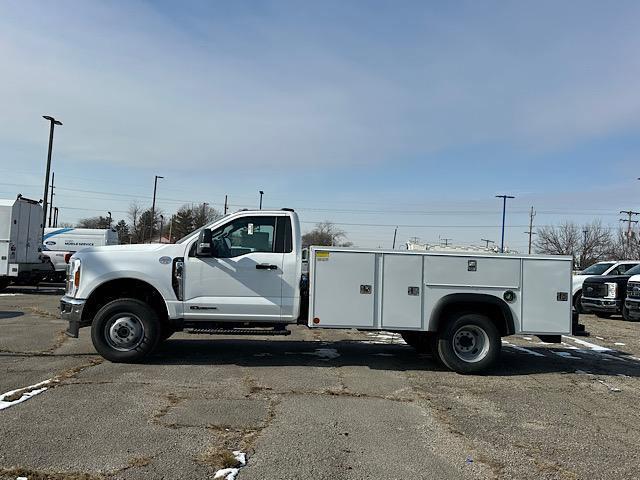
(597, 269)
(633, 271)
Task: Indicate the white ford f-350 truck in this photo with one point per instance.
(242, 274)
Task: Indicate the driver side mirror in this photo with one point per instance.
(204, 245)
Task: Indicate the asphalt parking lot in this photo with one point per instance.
(316, 404)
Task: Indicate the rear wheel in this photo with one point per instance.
(604, 315)
(125, 330)
(469, 343)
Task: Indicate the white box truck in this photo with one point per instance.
(242, 274)
(61, 243)
(21, 241)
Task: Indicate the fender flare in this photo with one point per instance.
(436, 317)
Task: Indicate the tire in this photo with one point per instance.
(627, 317)
(469, 343)
(166, 331)
(418, 340)
(4, 283)
(604, 315)
(125, 330)
(577, 302)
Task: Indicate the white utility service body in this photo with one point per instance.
(60, 243)
(400, 290)
(20, 239)
(243, 274)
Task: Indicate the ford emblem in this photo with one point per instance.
(165, 260)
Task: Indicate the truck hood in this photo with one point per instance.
(160, 249)
(607, 279)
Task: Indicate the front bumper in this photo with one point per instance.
(606, 305)
(71, 311)
(633, 307)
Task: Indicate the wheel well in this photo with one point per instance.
(124, 288)
(494, 308)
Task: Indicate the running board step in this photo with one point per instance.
(238, 331)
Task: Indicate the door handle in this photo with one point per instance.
(266, 266)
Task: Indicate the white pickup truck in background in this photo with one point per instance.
(242, 274)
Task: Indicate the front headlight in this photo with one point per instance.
(73, 277)
(612, 290)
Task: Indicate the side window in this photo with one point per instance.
(284, 240)
(245, 235)
(624, 267)
(615, 271)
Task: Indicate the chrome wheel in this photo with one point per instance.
(470, 343)
(124, 333)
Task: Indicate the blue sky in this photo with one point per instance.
(370, 113)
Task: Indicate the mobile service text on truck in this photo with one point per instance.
(243, 274)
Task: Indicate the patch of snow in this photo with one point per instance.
(240, 457)
(593, 346)
(231, 473)
(31, 391)
(569, 346)
(526, 350)
(528, 338)
(227, 473)
(565, 355)
(635, 358)
(10, 294)
(504, 342)
(323, 353)
(600, 338)
(620, 344)
(610, 387)
(22, 478)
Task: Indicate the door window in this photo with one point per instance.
(244, 235)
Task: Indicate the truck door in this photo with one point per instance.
(243, 280)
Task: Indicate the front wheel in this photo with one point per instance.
(626, 316)
(577, 302)
(469, 343)
(125, 330)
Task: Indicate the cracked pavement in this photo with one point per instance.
(317, 404)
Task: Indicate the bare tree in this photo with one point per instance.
(587, 244)
(624, 246)
(325, 233)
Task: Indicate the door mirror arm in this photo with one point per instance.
(204, 244)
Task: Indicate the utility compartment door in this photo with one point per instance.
(546, 296)
(343, 289)
(402, 291)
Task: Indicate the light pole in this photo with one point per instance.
(53, 122)
(161, 226)
(261, 193)
(504, 209)
(153, 207)
(395, 233)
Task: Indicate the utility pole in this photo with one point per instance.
(53, 122)
(55, 217)
(53, 178)
(153, 209)
(487, 242)
(445, 241)
(109, 219)
(630, 223)
(161, 226)
(225, 204)
(261, 193)
(395, 232)
(414, 240)
(204, 212)
(504, 209)
(532, 214)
